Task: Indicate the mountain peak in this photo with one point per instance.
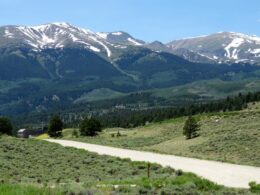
(156, 43)
(118, 33)
(63, 24)
(62, 34)
(220, 47)
(120, 37)
(48, 25)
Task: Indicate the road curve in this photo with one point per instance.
(226, 174)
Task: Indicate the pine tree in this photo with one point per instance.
(55, 127)
(191, 128)
(5, 126)
(90, 127)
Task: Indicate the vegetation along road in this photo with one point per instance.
(226, 174)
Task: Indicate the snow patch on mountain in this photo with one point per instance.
(249, 38)
(28, 32)
(84, 31)
(106, 48)
(74, 39)
(117, 33)
(206, 56)
(134, 42)
(102, 35)
(94, 48)
(37, 37)
(255, 51)
(236, 42)
(62, 24)
(8, 34)
(37, 28)
(120, 46)
(91, 47)
(47, 40)
(33, 45)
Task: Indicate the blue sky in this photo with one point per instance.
(162, 20)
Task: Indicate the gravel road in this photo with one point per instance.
(226, 174)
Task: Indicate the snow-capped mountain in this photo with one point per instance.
(60, 35)
(55, 65)
(222, 47)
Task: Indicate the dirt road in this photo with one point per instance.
(226, 174)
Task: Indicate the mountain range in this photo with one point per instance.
(61, 64)
(221, 47)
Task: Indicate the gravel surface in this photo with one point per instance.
(226, 174)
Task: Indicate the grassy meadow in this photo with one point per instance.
(30, 166)
(19, 189)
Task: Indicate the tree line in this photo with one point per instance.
(133, 118)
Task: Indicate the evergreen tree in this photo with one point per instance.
(5, 126)
(90, 127)
(55, 127)
(191, 128)
(75, 133)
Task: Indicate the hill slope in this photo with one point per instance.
(229, 137)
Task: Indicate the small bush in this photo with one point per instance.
(179, 172)
(118, 134)
(75, 133)
(254, 187)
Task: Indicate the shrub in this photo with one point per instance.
(179, 172)
(254, 187)
(118, 134)
(90, 127)
(75, 133)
